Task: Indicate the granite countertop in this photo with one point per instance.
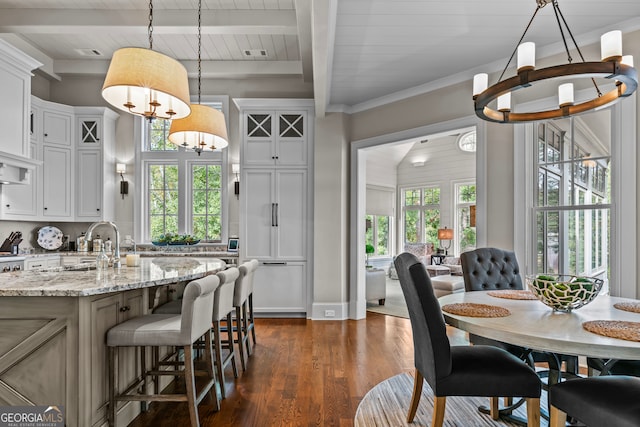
(85, 280)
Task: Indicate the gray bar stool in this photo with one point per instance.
(222, 310)
(244, 284)
(153, 330)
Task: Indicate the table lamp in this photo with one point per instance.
(445, 234)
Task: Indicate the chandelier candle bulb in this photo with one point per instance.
(611, 46)
(627, 60)
(526, 56)
(565, 94)
(480, 83)
(504, 102)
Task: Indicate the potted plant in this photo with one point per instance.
(369, 249)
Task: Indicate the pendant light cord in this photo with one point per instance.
(199, 45)
(150, 27)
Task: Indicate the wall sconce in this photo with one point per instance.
(418, 163)
(121, 168)
(235, 168)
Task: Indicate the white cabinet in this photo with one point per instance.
(275, 201)
(95, 164)
(56, 126)
(57, 187)
(77, 178)
(276, 214)
(275, 138)
(280, 287)
(15, 87)
(20, 202)
(42, 261)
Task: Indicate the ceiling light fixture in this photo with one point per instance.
(147, 83)
(205, 127)
(613, 66)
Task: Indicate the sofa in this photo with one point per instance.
(454, 264)
(422, 251)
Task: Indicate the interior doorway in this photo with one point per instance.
(360, 150)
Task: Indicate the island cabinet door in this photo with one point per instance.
(104, 313)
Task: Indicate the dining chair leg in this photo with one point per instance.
(494, 410)
(508, 401)
(439, 405)
(418, 380)
(111, 414)
(533, 412)
(189, 382)
(144, 405)
(557, 418)
(239, 333)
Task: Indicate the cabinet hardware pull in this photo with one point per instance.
(273, 263)
(45, 209)
(125, 308)
(277, 213)
(273, 207)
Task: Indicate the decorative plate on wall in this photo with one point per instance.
(50, 238)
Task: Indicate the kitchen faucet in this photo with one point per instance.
(116, 253)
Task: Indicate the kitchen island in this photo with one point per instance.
(54, 321)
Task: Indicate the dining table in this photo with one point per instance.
(533, 325)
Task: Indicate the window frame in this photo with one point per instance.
(623, 250)
(421, 208)
(457, 205)
(184, 159)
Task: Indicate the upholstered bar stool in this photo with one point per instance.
(596, 401)
(222, 312)
(181, 330)
(244, 283)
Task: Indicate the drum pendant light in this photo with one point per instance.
(205, 128)
(147, 83)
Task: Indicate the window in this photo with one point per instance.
(377, 234)
(572, 206)
(467, 142)
(182, 192)
(465, 233)
(421, 210)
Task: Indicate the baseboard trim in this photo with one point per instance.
(340, 311)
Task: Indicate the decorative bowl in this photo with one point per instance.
(564, 292)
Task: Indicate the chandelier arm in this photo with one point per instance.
(626, 76)
(520, 41)
(150, 26)
(556, 11)
(560, 15)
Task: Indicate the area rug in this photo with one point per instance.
(387, 403)
(394, 305)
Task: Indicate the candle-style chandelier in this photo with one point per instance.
(613, 66)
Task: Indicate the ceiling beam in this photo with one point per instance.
(210, 69)
(82, 21)
(305, 42)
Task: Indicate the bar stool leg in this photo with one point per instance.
(245, 324)
(217, 347)
(189, 382)
(111, 412)
(208, 354)
(232, 348)
(144, 405)
(239, 333)
(253, 328)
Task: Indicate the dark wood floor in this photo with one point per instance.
(304, 373)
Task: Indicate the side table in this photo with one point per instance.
(436, 259)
